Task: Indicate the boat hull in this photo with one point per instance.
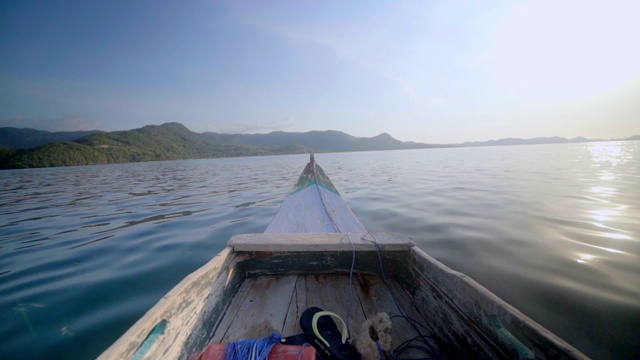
(465, 319)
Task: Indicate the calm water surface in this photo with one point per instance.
(552, 229)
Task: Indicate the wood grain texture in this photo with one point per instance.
(258, 310)
(331, 293)
(297, 306)
(320, 242)
(376, 297)
(251, 314)
(460, 310)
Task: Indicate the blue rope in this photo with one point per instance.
(252, 349)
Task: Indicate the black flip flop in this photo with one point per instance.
(324, 335)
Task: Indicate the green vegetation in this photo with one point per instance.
(150, 143)
(173, 141)
(14, 138)
(54, 154)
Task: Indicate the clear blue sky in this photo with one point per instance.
(429, 71)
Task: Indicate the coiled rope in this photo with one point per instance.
(252, 349)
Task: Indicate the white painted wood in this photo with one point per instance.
(250, 314)
(296, 307)
(320, 242)
(331, 293)
(314, 209)
(230, 314)
(263, 309)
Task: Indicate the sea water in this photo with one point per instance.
(553, 230)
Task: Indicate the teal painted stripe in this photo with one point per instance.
(303, 186)
(150, 340)
(329, 187)
(324, 180)
(307, 179)
(523, 351)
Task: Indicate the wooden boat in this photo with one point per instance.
(261, 283)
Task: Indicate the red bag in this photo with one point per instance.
(279, 352)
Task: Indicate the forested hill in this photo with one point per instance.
(174, 141)
(321, 141)
(14, 138)
(170, 141)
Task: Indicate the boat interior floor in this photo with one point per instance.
(267, 304)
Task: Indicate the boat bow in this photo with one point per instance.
(314, 206)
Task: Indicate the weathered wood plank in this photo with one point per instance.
(376, 298)
(223, 291)
(296, 307)
(320, 242)
(261, 309)
(331, 293)
(415, 313)
(232, 310)
(462, 311)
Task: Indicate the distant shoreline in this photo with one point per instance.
(30, 148)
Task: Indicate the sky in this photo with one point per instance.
(427, 71)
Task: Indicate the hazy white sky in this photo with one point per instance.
(429, 71)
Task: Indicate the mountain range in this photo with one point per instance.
(321, 141)
(23, 148)
(540, 141)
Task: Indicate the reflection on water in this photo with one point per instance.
(552, 229)
(603, 214)
(613, 152)
(603, 191)
(583, 258)
(610, 159)
(597, 247)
